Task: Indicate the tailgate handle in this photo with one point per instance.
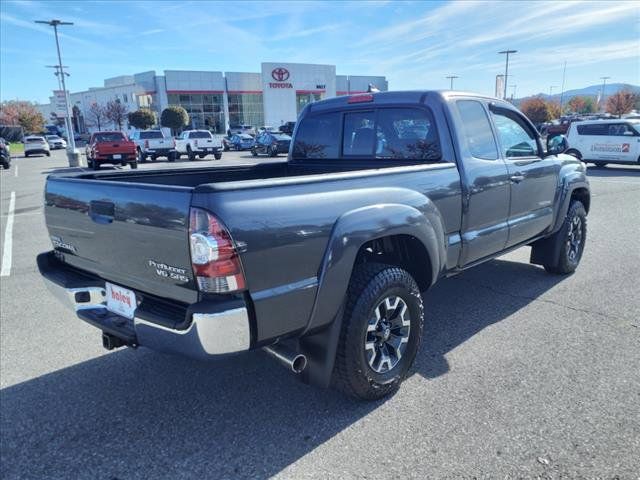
(101, 212)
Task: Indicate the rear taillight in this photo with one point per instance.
(214, 257)
(146, 144)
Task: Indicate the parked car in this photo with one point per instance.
(239, 141)
(605, 141)
(321, 261)
(36, 144)
(55, 142)
(5, 154)
(288, 127)
(153, 144)
(248, 129)
(198, 143)
(271, 144)
(267, 128)
(112, 148)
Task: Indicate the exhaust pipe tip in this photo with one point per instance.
(294, 361)
(299, 363)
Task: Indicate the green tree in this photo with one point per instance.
(175, 118)
(23, 114)
(143, 118)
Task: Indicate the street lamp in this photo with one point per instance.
(67, 123)
(604, 84)
(72, 155)
(451, 78)
(506, 69)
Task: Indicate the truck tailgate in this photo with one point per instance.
(135, 235)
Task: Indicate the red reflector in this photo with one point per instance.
(360, 98)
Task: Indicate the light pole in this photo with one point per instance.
(551, 87)
(564, 72)
(604, 84)
(59, 73)
(451, 78)
(506, 69)
(513, 94)
(72, 155)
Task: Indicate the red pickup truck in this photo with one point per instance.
(111, 147)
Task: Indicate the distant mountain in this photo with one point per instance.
(592, 91)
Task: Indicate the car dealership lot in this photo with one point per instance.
(520, 374)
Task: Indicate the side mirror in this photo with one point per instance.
(556, 144)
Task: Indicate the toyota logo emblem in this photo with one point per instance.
(280, 74)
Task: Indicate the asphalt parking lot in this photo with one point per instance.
(521, 374)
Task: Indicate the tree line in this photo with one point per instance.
(540, 110)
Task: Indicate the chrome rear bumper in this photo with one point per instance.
(209, 333)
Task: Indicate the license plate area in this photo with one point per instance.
(120, 300)
(117, 157)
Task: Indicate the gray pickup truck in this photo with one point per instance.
(319, 260)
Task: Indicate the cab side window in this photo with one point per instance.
(515, 138)
(477, 130)
(620, 130)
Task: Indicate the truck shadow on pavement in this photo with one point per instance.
(139, 414)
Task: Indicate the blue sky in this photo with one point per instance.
(415, 44)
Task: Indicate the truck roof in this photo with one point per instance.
(405, 96)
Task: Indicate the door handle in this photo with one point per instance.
(517, 178)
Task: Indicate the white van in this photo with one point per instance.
(605, 141)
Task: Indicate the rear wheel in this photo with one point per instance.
(273, 152)
(26, 154)
(141, 156)
(171, 157)
(217, 156)
(48, 154)
(570, 240)
(254, 152)
(381, 331)
(190, 154)
(95, 165)
(133, 165)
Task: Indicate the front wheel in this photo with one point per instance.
(570, 240)
(141, 157)
(381, 331)
(190, 154)
(48, 154)
(217, 156)
(133, 165)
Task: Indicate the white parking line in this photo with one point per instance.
(15, 171)
(8, 238)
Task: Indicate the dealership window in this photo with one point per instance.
(246, 109)
(303, 99)
(205, 111)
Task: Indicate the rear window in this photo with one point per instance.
(151, 134)
(199, 135)
(385, 133)
(109, 137)
(318, 136)
(406, 134)
(34, 139)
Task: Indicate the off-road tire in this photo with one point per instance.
(564, 264)
(190, 154)
(370, 284)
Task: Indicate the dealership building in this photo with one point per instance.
(214, 100)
